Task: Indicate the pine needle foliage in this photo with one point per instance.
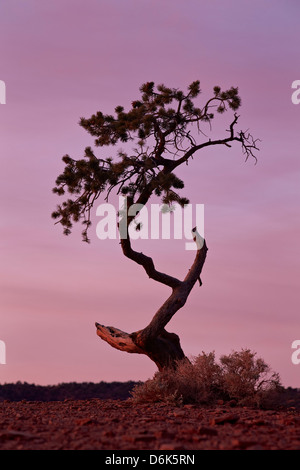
(159, 125)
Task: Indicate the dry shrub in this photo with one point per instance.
(248, 380)
(239, 377)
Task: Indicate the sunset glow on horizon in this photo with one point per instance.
(63, 60)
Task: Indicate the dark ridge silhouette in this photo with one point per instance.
(289, 397)
(75, 391)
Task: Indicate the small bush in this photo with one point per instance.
(239, 377)
(248, 380)
(159, 389)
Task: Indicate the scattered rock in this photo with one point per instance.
(256, 447)
(170, 446)
(259, 422)
(161, 434)
(242, 444)
(232, 403)
(9, 434)
(83, 422)
(118, 425)
(228, 418)
(179, 413)
(203, 430)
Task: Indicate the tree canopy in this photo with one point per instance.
(159, 124)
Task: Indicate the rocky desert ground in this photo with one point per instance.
(97, 424)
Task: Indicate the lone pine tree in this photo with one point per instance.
(159, 124)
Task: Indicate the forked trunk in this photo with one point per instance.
(154, 341)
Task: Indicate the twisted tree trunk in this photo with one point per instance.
(145, 173)
(154, 341)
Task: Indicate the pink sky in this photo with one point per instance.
(65, 59)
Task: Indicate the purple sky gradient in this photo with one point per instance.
(65, 59)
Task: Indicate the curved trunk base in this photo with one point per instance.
(164, 350)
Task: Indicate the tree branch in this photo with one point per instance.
(117, 339)
(247, 141)
(178, 297)
(148, 265)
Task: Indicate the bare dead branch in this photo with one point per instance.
(117, 339)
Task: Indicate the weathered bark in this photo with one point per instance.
(154, 341)
(164, 349)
